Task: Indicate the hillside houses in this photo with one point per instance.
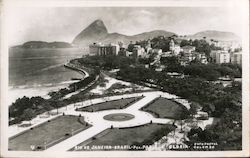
(185, 54)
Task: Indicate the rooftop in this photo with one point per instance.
(188, 47)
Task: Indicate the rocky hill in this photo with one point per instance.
(97, 32)
(94, 32)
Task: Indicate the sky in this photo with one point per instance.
(64, 23)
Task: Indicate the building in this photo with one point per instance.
(189, 57)
(186, 58)
(138, 51)
(122, 52)
(157, 51)
(213, 55)
(201, 57)
(174, 49)
(236, 58)
(148, 47)
(175, 74)
(222, 57)
(188, 49)
(157, 57)
(166, 54)
(171, 45)
(228, 45)
(184, 61)
(103, 50)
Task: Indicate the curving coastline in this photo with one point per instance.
(73, 67)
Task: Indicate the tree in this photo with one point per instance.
(193, 108)
(185, 43)
(28, 114)
(131, 47)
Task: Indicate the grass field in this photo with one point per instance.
(128, 136)
(165, 108)
(51, 132)
(116, 104)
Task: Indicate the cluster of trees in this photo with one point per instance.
(72, 87)
(106, 62)
(27, 108)
(195, 87)
(200, 45)
(159, 42)
(17, 109)
(209, 72)
(227, 133)
(212, 72)
(219, 101)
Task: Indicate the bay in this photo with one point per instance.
(35, 72)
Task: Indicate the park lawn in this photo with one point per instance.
(129, 136)
(115, 104)
(49, 132)
(165, 108)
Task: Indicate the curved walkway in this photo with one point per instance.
(98, 122)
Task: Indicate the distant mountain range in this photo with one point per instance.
(42, 44)
(216, 35)
(97, 32)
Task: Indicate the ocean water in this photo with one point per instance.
(35, 72)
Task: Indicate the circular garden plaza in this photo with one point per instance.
(118, 117)
(135, 121)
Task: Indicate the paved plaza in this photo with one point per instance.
(99, 120)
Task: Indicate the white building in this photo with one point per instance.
(101, 49)
(174, 49)
(157, 57)
(188, 49)
(222, 57)
(157, 51)
(128, 54)
(138, 51)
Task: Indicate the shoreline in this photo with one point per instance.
(42, 90)
(72, 67)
